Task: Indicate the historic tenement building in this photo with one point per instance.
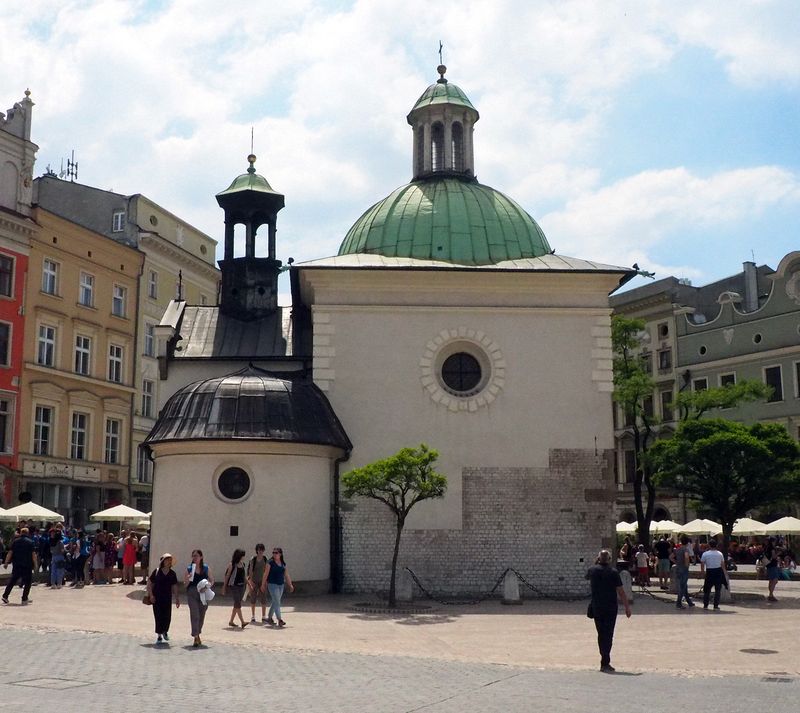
(446, 318)
(746, 326)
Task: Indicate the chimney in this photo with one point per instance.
(750, 286)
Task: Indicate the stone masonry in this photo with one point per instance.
(547, 523)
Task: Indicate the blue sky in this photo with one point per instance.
(651, 131)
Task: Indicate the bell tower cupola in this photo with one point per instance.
(443, 120)
(250, 282)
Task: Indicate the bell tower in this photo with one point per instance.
(250, 282)
(443, 120)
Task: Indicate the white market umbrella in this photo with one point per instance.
(748, 526)
(784, 526)
(119, 512)
(665, 527)
(626, 528)
(30, 511)
(701, 527)
(143, 523)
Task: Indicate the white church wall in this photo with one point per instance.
(288, 505)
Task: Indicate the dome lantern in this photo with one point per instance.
(443, 119)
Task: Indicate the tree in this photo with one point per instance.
(399, 482)
(633, 386)
(728, 467)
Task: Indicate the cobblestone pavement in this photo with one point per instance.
(91, 650)
(74, 671)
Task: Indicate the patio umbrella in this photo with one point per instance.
(119, 512)
(30, 511)
(626, 528)
(665, 527)
(784, 526)
(748, 526)
(701, 527)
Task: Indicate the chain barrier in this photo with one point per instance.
(490, 593)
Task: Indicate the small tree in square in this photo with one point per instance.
(399, 482)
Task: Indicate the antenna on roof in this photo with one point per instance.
(752, 255)
(72, 168)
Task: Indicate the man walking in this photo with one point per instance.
(22, 555)
(681, 558)
(606, 588)
(711, 563)
(662, 552)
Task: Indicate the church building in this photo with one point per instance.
(446, 318)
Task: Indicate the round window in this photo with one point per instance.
(233, 484)
(703, 350)
(153, 220)
(757, 338)
(203, 249)
(461, 373)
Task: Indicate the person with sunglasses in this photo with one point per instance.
(275, 578)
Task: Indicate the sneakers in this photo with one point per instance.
(269, 620)
(5, 600)
(159, 640)
(281, 623)
(166, 636)
(253, 620)
(607, 668)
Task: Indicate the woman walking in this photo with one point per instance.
(197, 573)
(162, 588)
(274, 579)
(111, 557)
(234, 580)
(255, 579)
(130, 549)
(57, 559)
(773, 570)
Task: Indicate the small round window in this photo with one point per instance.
(461, 373)
(153, 220)
(703, 350)
(233, 483)
(757, 338)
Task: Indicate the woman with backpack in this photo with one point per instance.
(274, 579)
(234, 580)
(255, 577)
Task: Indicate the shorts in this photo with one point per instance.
(663, 566)
(773, 572)
(644, 572)
(237, 592)
(256, 596)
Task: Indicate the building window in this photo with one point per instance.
(118, 301)
(144, 466)
(118, 221)
(699, 384)
(148, 391)
(149, 339)
(80, 429)
(630, 466)
(6, 419)
(666, 406)
(773, 378)
(42, 425)
(457, 146)
(665, 359)
(86, 291)
(420, 151)
(461, 373)
(83, 353)
(727, 379)
(646, 360)
(113, 431)
(5, 343)
(115, 363)
(437, 147)
(46, 347)
(233, 484)
(152, 285)
(663, 330)
(648, 407)
(50, 277)
(6, 275)
(797, 379)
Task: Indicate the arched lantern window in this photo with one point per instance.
(437, 147)
(458, 146)
(420, 139)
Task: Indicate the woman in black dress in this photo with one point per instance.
(162, 588)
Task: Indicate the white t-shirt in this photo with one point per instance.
(641, 559)
(712, 559)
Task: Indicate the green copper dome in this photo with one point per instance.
(250, 181)
(449, 219)
(443, 93)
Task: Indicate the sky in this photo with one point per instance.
(665, 133)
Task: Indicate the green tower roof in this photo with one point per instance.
(443, 93)
(250, 181)
(449, 219)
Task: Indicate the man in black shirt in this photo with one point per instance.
(22, 555)
(606, 588)
(663, 551)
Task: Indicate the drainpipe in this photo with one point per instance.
(337, 573)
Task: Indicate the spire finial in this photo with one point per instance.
(252, 159)
(27, 93)
(441, 68)
(251, 140)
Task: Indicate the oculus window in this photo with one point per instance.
(233, 484)
(461, 373)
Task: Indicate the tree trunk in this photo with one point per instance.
(393, 580)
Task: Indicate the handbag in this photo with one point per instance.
(146, 600)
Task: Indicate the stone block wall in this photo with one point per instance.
(547, 523)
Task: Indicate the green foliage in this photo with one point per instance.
(399, 481)
(728, 467)
(632, 384)
(693, 404)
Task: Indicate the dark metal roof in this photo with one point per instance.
(250, 404)
(206, 332)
